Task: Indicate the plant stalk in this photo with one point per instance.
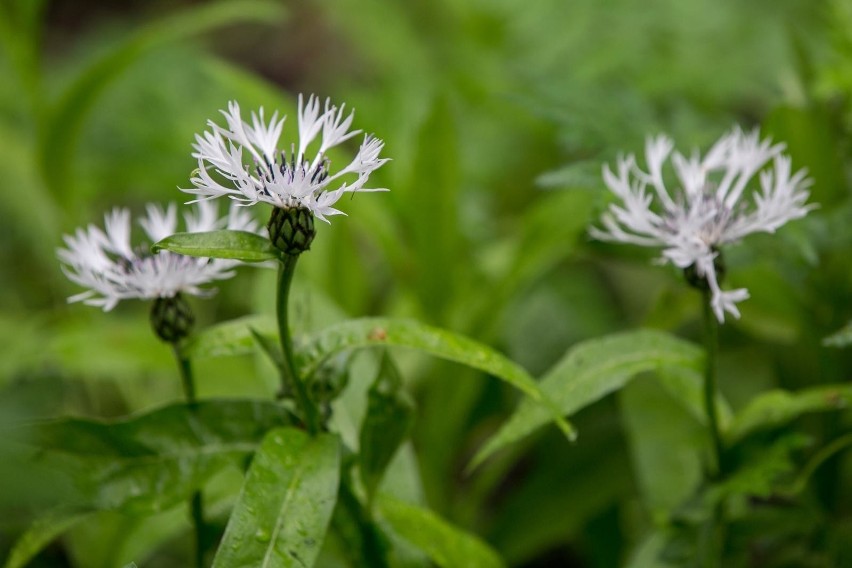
(290, 379)
(711, 344)
(196, 505)
(716, 528)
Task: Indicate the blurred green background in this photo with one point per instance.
(498, 116)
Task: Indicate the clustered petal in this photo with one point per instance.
(708, 208)
(242, 160)
(105, 262)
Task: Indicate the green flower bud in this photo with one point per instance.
(171, 318)
(291, 230)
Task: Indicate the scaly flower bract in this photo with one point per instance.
(709, 207)
(284, 178)
(105, 262)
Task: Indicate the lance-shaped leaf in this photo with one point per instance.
(286, 502)
(153, 461)
(390, 416)
(591, 370)
(234, 245)
(778, 407)
(446, 545)
(371, 332)
(41, 533)
(66, 120)
(234, 337)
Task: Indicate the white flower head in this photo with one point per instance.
(710, 205)
(244, 162)
(105, 262)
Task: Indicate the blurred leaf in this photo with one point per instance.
(761, 475)
(434, 187)
(389, 418)
(666, 446)
(777, 407)
(446, 545)
(286, 503)
(66, 120)
(837, 445)
(581, 174)
(152, 461)
(36, 218)
(649, 553)
(270, 347)
(687, 388)
(588, 372)
(840, 338)
(236, 245)
(368, 332)
(40, 534)
(234, 337)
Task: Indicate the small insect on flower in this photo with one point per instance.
(710, 206)
(104, 262)
(287, 179)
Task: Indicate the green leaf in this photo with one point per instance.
(841, 338)
(446, 545)
(151, 462)
(66, 120)
(41, 533)
(389, 418)
(286, 503)
(778, 407)
(271, 348)
(370, 332)
(588, 372)
(235, 245)
(234, 337)
(666, 445)
(762, 474)
(686, 385)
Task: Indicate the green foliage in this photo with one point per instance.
(498, 117)
(446, 545)
(235, 245)
(153, 461)
(590, 371)
(436, 342)
(386, 425)
(284, 508)
(44, 530)
(777, 407)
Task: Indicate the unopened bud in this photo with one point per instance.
(171, 318)
(291, 230)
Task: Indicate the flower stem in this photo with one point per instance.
(711, 344)
(185, 374)
(196, 505)
(716, 528)
(290, 380)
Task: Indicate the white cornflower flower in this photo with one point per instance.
(285, 179)
(105, 262)
(708, 208)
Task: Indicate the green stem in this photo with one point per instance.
(185, 368)
(196, 505)
(711, 344)
(290, 380)
(716, 528)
